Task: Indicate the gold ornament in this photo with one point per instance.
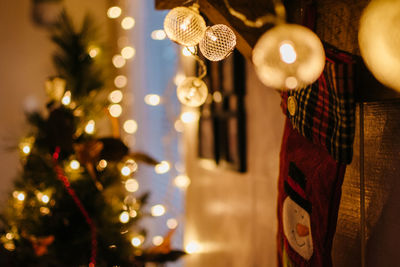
(288, 56)
(379, 40)
(184, 25)
(218, 42)
(192, 92)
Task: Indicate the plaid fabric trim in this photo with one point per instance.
(325, 109)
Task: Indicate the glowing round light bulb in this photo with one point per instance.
(379, 41)
(157, 210)
(124, 217)
(120, 81)
(130, 126)
(179, 78)
(127, 23)
(185, 26)
(182, 181)
(157, 240)
(128, 52)
(218, 42)
(114, 12)
(158, 35)
(21, 196)
(162, 167)
(189, 116)
(172, 223)
(126, 171)
(26, 149)
(45, 199)
(288, 50)
(103, 163)
(93, 51)
(90, 127)
(74, 164)
(136, 241)
(152, 99)
(66, 100)
(115, 110)
(131, 185)
(118, 61)
(115, 96)
(192, 247)
(192, 92)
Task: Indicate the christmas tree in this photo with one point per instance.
(70, 205)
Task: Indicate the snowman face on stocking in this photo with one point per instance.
(297, 228)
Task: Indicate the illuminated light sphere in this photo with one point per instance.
(157, 240)
(152, 99)
(131, 185)
(192, 247)
(157, 210)
(9, 236)
(172, 223)
(130, 126)
(179, 78)
(118, 61)
(93, 51)
(132, 213)
(218, 42)
(158, 35)
(114, 12)
(136, 241)
(179, 127)
(188, 51)
(74, 164)
(26, 149)
(21, 196)
(115, 96)
(189, 116)
(182, 181)
(120, 81)
(162, 167)
(379, 41)
(103, 163)
(90, 127)
(127, 23)
(185, 26)
(132, 165)
(45, 199)
(115, 110)
(288, 56)
(124, 217)
(128, 52)
(126, 171)
(192, 92)
(66, 100)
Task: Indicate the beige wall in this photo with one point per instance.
(25, 63)
(233, 215)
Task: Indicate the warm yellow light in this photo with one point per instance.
(66, 100)
(103, 163)
(114, 12)
(120, 81)
(131, 164)
(115, 96)
(74, 164)
(21, 196)
(118, 61)
(132, 213)
(287, 52)
(152, 99)
(10, 246)
(115, 110)
(124, 217)
(90, 126)
(93, 51)
(126, 171)
(157, 240)
(217, 97)
(178, 125)
(182, 181)
(136, 241)
(189, 117)
(45, 199)
(157, 210)
(172, 223)
(188, 51)
(162, 167)
(26, 149)
(158, 35)
(9, 236)
(291, 82)
(130, 126)
(193, 247)
(128, 52)
(131, 185)
(44, 210)
(179, 78)
(127, 23)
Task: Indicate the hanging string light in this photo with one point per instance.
(218, 42)
(184, 25)
(192, 92)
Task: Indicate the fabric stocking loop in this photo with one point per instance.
(61, 176)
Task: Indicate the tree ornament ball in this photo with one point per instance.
(288, 56)
(218, 42)
(185, 26)
(192, 92)
(379, 40)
